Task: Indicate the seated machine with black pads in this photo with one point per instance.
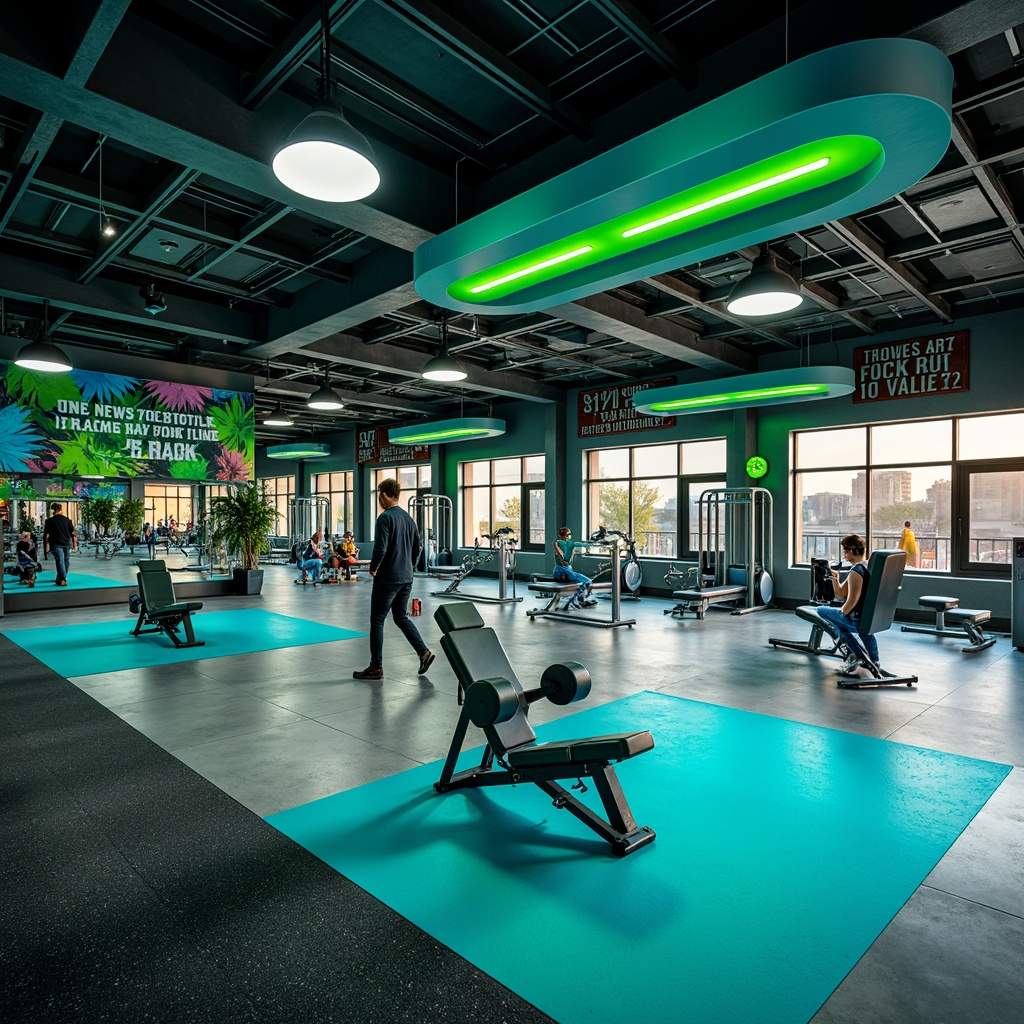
(497, 703)
(159, 612)
(952, 620)
(885, 572)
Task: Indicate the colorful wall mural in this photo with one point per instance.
(87, 423)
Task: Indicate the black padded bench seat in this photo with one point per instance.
(952, 620)
(497, 703)
(698, 600)
(616, 747)
(560, 588)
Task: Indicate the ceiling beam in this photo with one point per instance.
(445, 30)
(351, 351)
(618, 319)
(968, 24)
(630, 21)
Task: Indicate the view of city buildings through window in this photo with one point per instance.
(958, 481)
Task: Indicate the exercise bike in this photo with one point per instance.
(631, 573)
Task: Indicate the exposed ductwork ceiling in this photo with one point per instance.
(466, 103)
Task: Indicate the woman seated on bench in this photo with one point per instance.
(349, 553)
(563, 572)
(853, 590)
(28, 559)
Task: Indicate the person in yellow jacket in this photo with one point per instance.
(908, 543)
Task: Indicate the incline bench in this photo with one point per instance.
(496, 703)
(159, 611)
(885, 570)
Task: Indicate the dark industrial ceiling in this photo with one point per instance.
(467, 103)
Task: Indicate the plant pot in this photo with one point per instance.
(248, 581)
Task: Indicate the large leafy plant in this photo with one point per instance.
(242, 519)
(104, 512)
(131, 513)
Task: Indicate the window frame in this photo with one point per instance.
(526, 487)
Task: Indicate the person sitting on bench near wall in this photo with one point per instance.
(846, 619)
(565, 548)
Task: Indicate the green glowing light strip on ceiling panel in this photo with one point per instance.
(739, 397)
(463, 428)
(796, 171)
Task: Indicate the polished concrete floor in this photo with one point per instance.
(278, 729)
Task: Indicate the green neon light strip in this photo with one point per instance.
(772, 180)
(733, 397)
(728, 197)
(554, 261)
(440, 435)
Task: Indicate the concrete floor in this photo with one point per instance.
(278, 729)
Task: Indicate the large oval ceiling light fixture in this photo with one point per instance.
(325, 157)
(819, 139)
(765, 291)
(464, 428)
(444, 367)
(746, 391)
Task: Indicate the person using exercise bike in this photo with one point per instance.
(565, 548)
(846, 619)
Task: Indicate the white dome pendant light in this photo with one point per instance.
(325, 157)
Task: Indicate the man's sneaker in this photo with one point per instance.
(588, 602)
(426, 660)
(847, 666)
(369, 673)
(859, 671)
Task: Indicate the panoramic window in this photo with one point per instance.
(495, 493)
(337, 487)
(640, 491)
(959, 482)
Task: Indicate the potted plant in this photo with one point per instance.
(242, 519)
(131, 512)
(103, 513)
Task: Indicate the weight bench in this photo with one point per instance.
(496, 702)
(949, 615)
(699, 600)
(560, 596)
(885, 569)
(159, 611)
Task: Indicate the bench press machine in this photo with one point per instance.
(159, 612)
(885, 569)
(497, 703)
(561, 594)
(504, 551)
(949, 615)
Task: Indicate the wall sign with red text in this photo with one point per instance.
(935, 365)
(610, 410)
(372, 445)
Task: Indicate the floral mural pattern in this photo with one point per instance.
(86, 423)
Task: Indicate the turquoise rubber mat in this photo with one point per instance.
(88, 648)
(783, 850)
(46, 579)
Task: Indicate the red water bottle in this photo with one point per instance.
(417, 606)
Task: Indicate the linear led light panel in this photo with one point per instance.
(776, 387)
(821, 138)
(299, 450)
(465, 428)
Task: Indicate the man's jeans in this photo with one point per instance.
(394, 598)
(62, 557)
(847, 626)
(563, 574)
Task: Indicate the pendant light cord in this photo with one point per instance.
(325, 50)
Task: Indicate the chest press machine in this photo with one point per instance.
(885, 575)
(496, 702)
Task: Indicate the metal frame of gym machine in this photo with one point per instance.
(313, 514)
(613, 548)
(502, 548)
(751, 537)
(433, 514)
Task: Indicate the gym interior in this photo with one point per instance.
(206, 817)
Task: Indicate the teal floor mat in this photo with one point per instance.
(47, 580)
(82, 650)
(783, 850)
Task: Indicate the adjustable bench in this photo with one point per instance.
(159, 611)
(949, 615)
(496, 703)
(559, 592)
(885, 571)
(699, 600)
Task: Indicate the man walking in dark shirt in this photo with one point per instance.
(60, 537)
(395, 550)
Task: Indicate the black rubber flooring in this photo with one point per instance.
(131, 889)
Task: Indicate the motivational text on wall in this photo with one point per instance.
(610, 410)
(935, 365)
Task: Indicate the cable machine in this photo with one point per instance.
(433, 514)
(307, 516)
(735, 552)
